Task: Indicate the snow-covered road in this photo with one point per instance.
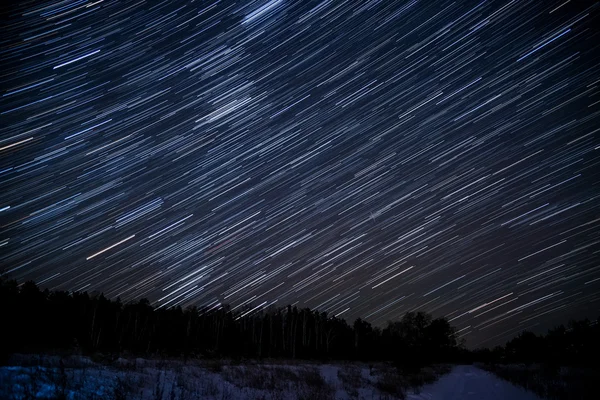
(472, 383)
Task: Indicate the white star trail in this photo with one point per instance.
(363, 158)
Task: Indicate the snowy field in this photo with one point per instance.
(80, 378)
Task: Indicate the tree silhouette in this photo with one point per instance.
(37, 321)
(575, 345)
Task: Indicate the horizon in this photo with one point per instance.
(248, 310)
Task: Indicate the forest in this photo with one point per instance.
(575, 344)
(38, 320)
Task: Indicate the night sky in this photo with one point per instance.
(365, 158)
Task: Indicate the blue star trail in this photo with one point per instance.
(366, 158)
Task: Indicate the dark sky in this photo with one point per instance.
(365, 158)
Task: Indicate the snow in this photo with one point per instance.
(173, 379)
(468, 382)
(176, 380)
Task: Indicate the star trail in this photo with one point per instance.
(364, 158)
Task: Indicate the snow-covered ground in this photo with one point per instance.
(175, 380)
(472, 383)
(80, 378)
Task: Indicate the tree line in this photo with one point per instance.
(39, 321)
(577, 344)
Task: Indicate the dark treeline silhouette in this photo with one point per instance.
(577, 344)
(38, 321)
(560, 365)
